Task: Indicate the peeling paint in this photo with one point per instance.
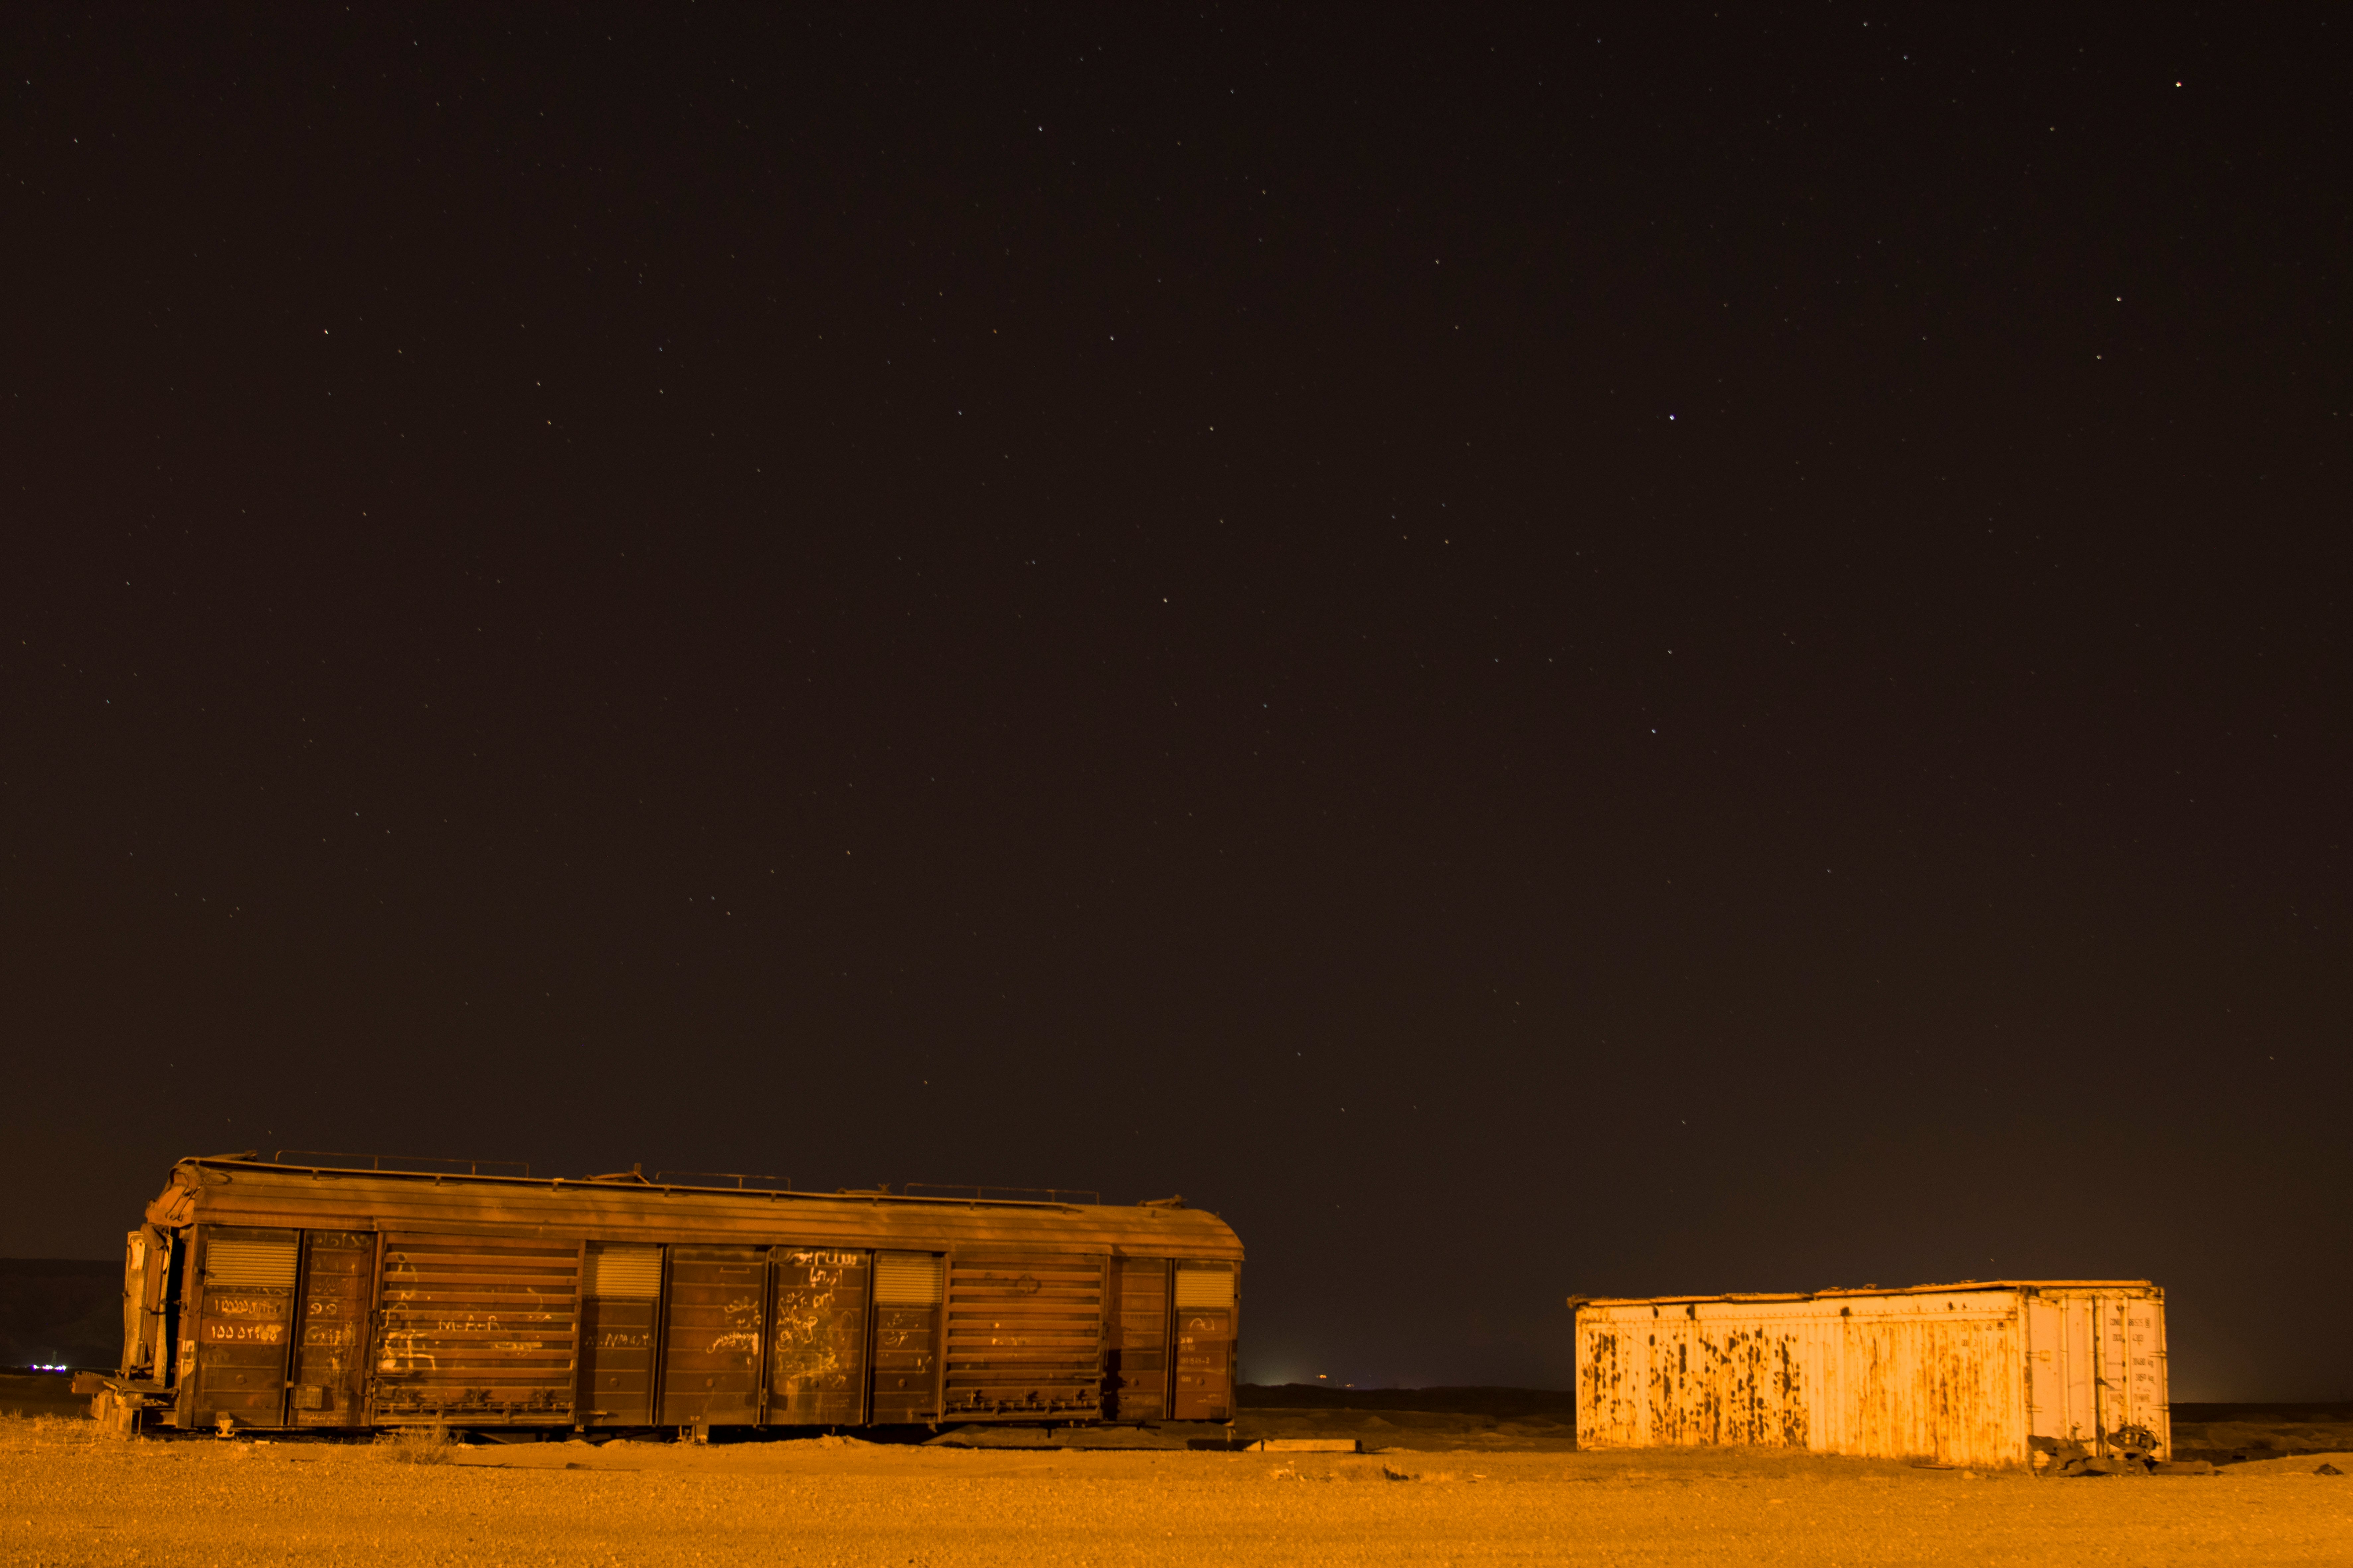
(1971, 1373)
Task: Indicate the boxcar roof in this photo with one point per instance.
(255, 1192)
(1836, 1291)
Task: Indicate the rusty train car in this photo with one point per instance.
(279, 1296)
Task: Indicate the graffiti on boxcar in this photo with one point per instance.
(244, 1333)
(817, 1351)
(403, 1351)
(809, 1336)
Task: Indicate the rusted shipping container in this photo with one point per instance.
(1982, 1373)
(273, 1296)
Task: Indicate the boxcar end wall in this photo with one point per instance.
(282, 1297)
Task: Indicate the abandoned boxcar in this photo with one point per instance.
(1981, 1373)
(280, 1296)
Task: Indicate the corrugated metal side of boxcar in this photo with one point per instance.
(477, 1329)
(1888, 1376)
(504, 1302)
(1025, 1334)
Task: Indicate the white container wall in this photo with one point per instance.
(1968, 1374)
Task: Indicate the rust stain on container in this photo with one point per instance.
(1981, 1373)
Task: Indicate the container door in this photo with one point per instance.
(2046, 1369)
(135, 1354)
(2080, 1342)
(1025, 1335)
(2131, 1365)
(175, 1289)
(243, 1309)
(618, 1309)
(1136, 1362)
(331, 1356)
(1205, 1342)
(478, 1331)
(2145, 1366)
(816, 1362)
(711, 1351)
(2062, 1348)
(146, 1274)
(908, 1287)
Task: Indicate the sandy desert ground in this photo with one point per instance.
(68, 1496)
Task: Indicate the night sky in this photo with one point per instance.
(1531, 654)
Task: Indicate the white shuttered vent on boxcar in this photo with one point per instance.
(907, 1278)
(1203, 1285)
(262, 1264)
(625, 1272)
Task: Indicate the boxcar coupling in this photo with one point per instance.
(1983, 1372)
(275, 1296)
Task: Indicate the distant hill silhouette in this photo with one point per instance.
(1503, 1404)
(61, 1310)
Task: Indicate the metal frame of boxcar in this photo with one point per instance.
(1046, 1311)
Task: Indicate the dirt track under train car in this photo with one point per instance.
(69, 1497)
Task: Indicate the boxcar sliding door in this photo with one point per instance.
(907, 1291)
(711, 1350)
(1205, 1342)
(1135, 1374)
(233, 1350)
(330, 1374)
(817, 1363)
(618, 1309)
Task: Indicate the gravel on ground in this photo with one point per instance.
(69, 1497)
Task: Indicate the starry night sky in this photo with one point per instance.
(1530, 653)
